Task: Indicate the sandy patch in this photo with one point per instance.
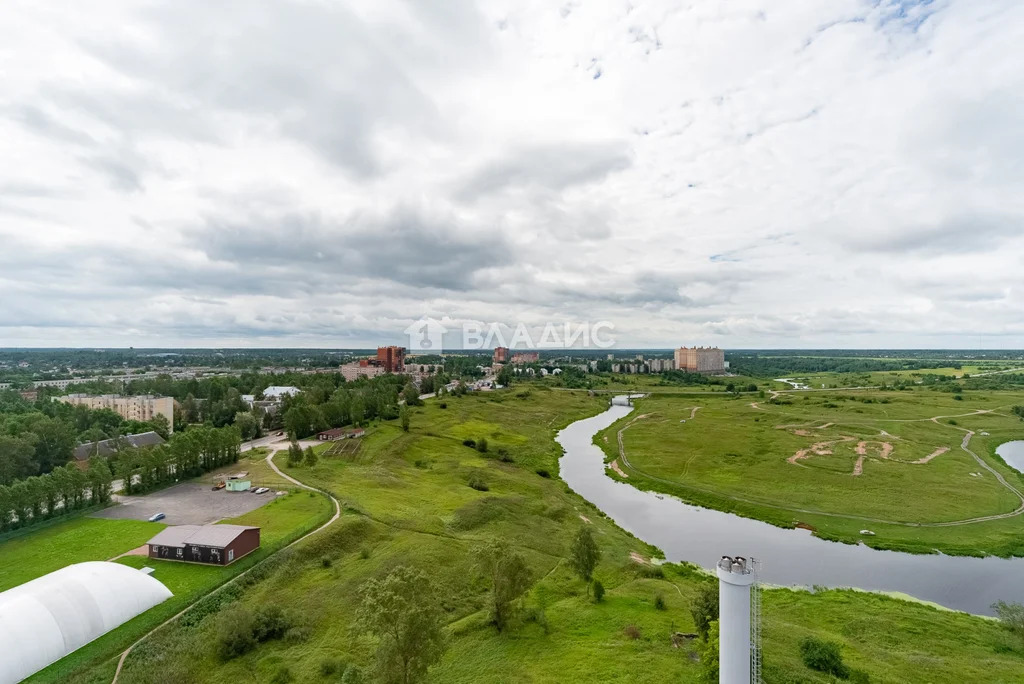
(754, 406)
(862, 451)
(802, 433)
(637, 558)
(585, 519)
(935, 454)
(606, 439)
(614, 465)
(817, 449)
(693, 411)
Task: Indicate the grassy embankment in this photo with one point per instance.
(732, 455)
(408, 502)
(281, 520)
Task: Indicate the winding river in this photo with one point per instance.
(789, 557)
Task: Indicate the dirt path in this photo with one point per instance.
(137, 551)
(270, 462)
(935, 454)
(614, 465)
(693, 411)
(810, 511)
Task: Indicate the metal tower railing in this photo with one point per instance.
(755, 623)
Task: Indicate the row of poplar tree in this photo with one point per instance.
(69, 488)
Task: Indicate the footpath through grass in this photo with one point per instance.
(408, 502)
(281, 520)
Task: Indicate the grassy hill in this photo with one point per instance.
(408, 502)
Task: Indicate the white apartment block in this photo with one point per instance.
(142, 408)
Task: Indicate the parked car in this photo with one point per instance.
(219, 485)
(280, 434)
(262, 490)
(156, 516)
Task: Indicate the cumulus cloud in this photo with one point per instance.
(323, 173)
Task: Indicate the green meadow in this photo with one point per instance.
(839, 462)
(407, 501)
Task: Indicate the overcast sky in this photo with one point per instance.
(750, 173)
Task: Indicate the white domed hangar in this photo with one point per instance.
(49, 617)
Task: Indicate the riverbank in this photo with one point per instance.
(408, 501)
(922, 477)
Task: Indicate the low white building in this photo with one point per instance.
(276, 392)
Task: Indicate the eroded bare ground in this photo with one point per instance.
(614, 465)
(817, 449)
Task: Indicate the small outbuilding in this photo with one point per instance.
(239, 485)
(207, 544)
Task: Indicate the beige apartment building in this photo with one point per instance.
(142, 408)
(700, 359)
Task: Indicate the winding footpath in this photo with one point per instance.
(273, 466)
(965, 445)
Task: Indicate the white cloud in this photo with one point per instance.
(750, 173)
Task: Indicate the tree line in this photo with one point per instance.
(36, 437)
(68, 488)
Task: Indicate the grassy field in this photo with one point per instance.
(37, 552)
(870, 456)
(408, 502)
(281, 520)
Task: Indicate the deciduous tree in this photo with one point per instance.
(584, 554)
(402, 611)
(509, 577)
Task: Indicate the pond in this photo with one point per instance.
(1013, 454)
(789, 557)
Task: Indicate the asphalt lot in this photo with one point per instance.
(188, 503)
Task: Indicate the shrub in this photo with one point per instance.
(704, 608)
(282, 676)
(477, 483)
(598, 591)
(823, 656)
(471, 443)
(503, 455)
(443, 404)
(325, 562)
(297, 634)
(269, 622)
(364, 553)
(859, 677)
(650, 571)
(234, 633)
(659, 602)
(353, 675)
(632, 631)
(543, 473)
(331, 666)
(481, 445)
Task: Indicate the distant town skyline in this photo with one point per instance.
(750, 174)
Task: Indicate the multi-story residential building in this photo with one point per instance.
(364, 367)
(392, 359)
(700, 359)
(500, 355)
(143, 408)
(525, 357)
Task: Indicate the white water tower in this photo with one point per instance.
(739, 656)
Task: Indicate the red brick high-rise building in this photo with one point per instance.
(391, 359)
(500, 354)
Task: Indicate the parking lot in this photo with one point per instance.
(189, 503)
